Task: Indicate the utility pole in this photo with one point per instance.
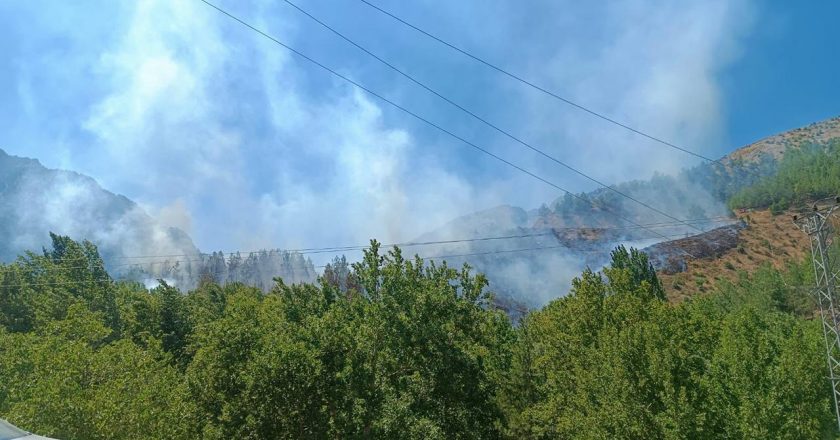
(817, 224)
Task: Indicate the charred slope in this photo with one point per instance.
(672, 257)
(532, 263)
(764, 239)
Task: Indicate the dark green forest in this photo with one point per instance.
(690, 194)
(401, 348)
(804, 174)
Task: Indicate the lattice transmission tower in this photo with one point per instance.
(818, 225)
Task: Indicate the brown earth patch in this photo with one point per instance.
(764, 239)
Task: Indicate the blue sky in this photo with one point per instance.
(216, 130)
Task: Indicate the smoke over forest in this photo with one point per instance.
(532, 255)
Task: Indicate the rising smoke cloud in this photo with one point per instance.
(215, 129)
(70, 204)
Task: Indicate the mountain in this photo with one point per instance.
(555, 242)
(775, 146)
(530, 254)
(807, 173)
(35, 201)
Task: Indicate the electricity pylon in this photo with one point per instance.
(817, 224)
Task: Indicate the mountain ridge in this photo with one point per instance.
(586, 227)
(775, 145)
(549, 245)
(36, 201)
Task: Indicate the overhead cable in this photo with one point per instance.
(485, 121)
(533, 85)
(421, 118)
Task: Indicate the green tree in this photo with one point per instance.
(416, 352)
(174, 321)
(612, 360)
(68, 381)
(638, 272)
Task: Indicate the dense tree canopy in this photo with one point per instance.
(691, 194)
(808, 173)
(401, 348)
(612, 360)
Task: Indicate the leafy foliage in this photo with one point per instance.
(808, 173)
(613, 361)
(691, 194)
(397, 348)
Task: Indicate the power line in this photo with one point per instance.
(504, 251)
(329, 249)
(437, 257)
(319, 250)
(336, 249)
(59, 283)
(483, 120)
(539, 88)
(206, 258)
(418, 117)
(176, 262)
(303, 251)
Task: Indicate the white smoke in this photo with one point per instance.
(70, 204)
(217, 131)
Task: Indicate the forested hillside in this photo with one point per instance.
(702, 196)
(782, 167)
(37, 201)
(805, 174)
(400, 347)
(405, 349)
